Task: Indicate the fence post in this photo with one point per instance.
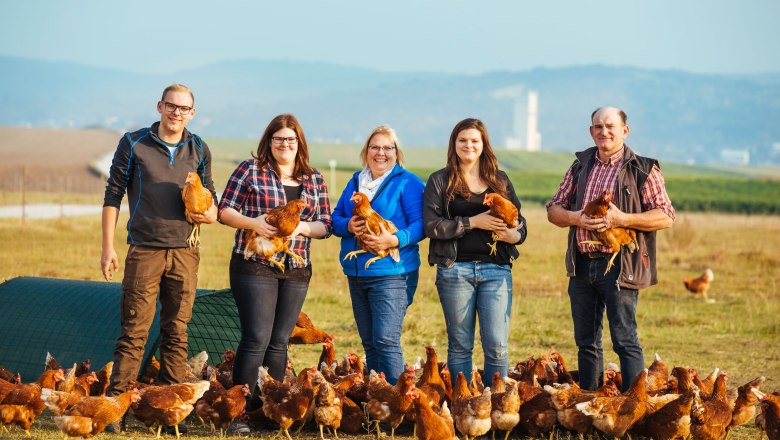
(24, 195)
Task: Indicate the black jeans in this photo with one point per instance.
(591, 293)
(268, 309)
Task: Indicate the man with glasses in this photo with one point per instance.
(151, 164)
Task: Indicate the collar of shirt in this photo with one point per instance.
(615, 158)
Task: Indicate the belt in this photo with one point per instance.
(596, 255)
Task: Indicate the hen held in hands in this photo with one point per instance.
(363, 211)
(197, 200)
(285, 219)
(501, 208)
(613, 238)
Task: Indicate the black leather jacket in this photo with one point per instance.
(444, 230)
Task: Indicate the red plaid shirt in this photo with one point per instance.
(253, 191)
(604, 176)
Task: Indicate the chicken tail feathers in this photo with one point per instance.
(395, 254)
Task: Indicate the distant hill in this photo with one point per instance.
(675, 116)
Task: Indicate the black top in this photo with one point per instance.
(473, 245)
(292, 192)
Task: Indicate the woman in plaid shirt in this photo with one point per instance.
(268, 300)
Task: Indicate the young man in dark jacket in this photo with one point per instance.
(640, 203)
(151, 164)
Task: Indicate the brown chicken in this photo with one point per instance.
(91, 415)
(224, 371)
(505, 406)
(5, 388)
(352, 417)
(537, 415)
(59, 401)
(427, 424)
(657, 376)
(287, 405)
(501, 208)
(305, 332)
(707, 385)
(471, 413)
(564, 398)
(23, 402)
(745, 405)
(227, 406)
(768, 420)
(328, 355)
(84, 383)
(203, 405)
(363, 211)
(327, 406)
(476, 386)
(700, 285)
(391, 403)
(285, 219)
(431, 382)
(352, 363)
(103, 378)
(614, 238)
(672, 421)
(6, 375)
(197, 200)
(710, 416)
(615, 415)
(151, 371)
(167, 405)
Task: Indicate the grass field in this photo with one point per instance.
(739, 333)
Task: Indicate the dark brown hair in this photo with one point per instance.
(488, 164)
(264, 156)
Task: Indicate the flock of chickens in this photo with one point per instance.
(537, 397)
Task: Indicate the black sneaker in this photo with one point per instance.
(114, 428)
(170, 430)
(238, 427)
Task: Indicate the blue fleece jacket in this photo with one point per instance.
(400, 200)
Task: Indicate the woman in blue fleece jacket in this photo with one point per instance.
(381, 293)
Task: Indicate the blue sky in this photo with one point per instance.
(456, 36)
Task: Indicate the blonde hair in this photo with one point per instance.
(176, 87)
(389, 132)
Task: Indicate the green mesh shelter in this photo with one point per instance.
(76, 320)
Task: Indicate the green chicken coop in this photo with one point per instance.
(76, 320)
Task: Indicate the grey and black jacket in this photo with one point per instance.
(153, 177)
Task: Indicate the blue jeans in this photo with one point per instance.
(379, 305)
(267, 309)
(467, 291)
(591, 292)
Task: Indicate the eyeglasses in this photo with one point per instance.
(183, 109)
(278, 140)
(376, 148)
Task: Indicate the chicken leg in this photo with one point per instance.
(353, 254)
(493, 245)
(194, 238)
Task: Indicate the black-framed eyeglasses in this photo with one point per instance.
(170, 108)
(279, 140)
(386, 148)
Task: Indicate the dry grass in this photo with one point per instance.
(738, 333)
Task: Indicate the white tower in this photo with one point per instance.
(533, 137)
